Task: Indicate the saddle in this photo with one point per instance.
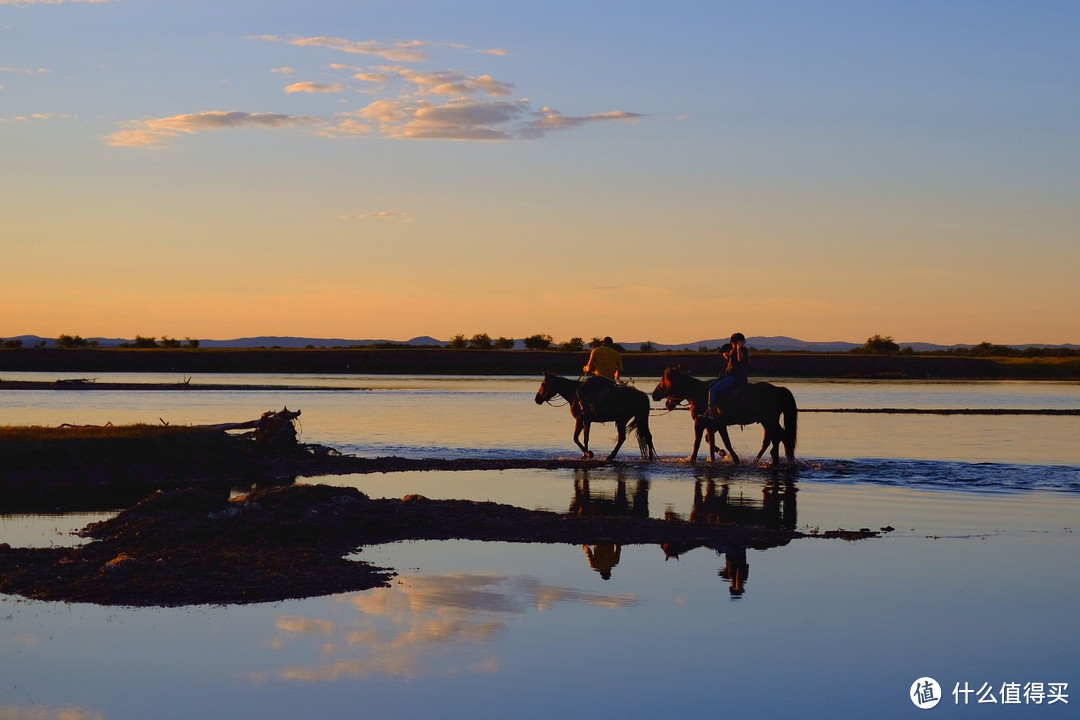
(592, 405)
(731, 403)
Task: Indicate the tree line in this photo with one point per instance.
(875, 345)
(885, 345)
(75, 341)
(540, 341)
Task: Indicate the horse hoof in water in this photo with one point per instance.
(588, 455)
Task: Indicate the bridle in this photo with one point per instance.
(548, 393)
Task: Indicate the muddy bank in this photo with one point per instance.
(189, 546)
(86, 468)
(108, 467)
(101, 475)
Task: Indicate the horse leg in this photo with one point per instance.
(774, 433)
(621, 427)
(710, 436)
(699, 429)
(579, 427)
(777, 433)
(727, 443)
(765, 439)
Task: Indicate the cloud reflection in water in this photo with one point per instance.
(408, 630)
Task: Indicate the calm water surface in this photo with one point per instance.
(978, 582)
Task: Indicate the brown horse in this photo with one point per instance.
(625, 406)
(758, 402)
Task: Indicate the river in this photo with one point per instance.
(975, 583)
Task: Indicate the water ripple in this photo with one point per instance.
(936, 474)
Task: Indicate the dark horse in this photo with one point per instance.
(625, 406)
(758, 402)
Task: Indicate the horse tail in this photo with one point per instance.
(640, 425)
(791, 423)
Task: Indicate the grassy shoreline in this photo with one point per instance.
(442, 361)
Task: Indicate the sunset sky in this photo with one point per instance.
(664, 171)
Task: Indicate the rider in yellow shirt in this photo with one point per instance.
(604, 369)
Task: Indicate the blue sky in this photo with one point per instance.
(650, 171)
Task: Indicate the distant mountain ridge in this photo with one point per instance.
(776, 343)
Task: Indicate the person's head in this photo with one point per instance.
(738, 338)
(725, 348)
(608, 341)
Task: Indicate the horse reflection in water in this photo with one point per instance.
(625, 406)
(775, 510)
(603, 557)
(588, 501)
(758, 402)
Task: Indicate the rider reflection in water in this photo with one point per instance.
(604, 369)
(603, 557)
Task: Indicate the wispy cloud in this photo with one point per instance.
(434, 82)
(314, 87)
(17, 70)
(37, 116)
(452, 82)
(412, 103)
(400, 51)
(476, 106)
(549, 119)
(463, 119)
(156, 131)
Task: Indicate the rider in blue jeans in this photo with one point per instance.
(738, 364)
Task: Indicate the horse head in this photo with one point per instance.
(666, 386)
(546, 391)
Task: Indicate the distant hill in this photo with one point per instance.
(776, 343)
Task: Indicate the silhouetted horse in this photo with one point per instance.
(758, 402)
(625, 406)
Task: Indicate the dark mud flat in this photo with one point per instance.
(188, 547)
(99, 468)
